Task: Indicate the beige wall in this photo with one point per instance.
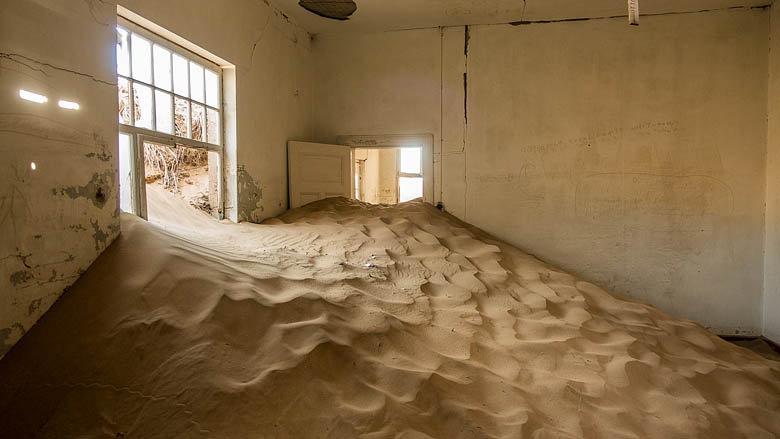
(380, 182)
(633, 157)
(383, 83)
(55, 220)
(273, 80)
(772, 250)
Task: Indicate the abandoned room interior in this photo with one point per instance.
(408, 219)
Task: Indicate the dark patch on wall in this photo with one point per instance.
(35, 305)
(250, 196)
(20, 277)
(5, 334)
(95, 190)
(100, 237)
(333, 9)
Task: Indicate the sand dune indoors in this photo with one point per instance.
(344, 320)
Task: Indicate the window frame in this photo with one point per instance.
(140, 135)
(400, 174)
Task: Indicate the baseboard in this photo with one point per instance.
(775, 347)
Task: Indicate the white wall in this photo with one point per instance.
(55, 220)
(273, 80)
(772, 258)
(633, 157)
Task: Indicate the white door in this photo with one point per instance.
(317, 171)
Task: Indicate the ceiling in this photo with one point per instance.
(383, 15)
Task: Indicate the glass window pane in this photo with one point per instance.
(162, 68)
(125, 173)
(212, 126)
(163, 111)
(122, 51)
(410, 160)
(198, 121)
(196, 82)
(143, 106)
(181, 83)
(123, 87)
(410, 188)
(181, 117)
(142, 59)
(212, 89)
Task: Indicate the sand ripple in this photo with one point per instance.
(342, 320)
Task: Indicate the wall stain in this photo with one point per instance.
(34, 306)
(20, 277)
(5, 334)
(100, 237)
(95, 190)
(250, 197)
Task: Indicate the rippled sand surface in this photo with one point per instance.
(343, 320)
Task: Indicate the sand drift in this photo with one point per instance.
(343, 320)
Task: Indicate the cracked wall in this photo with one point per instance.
(632, 156)
(56, 219)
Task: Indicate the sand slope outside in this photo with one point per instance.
(344, 320)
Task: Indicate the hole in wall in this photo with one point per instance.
(100, 195)
(334, 9)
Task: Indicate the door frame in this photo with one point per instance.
(425, 141)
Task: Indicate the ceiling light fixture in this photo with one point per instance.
(334, 9)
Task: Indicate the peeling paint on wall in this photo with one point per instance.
(95, 191)
(8, 334)
(20, 277)
(250, 197)
(46, 210)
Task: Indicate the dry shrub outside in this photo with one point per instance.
(168, 164)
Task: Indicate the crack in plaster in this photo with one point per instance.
(14, 57)
(609, 17)
(92, 8)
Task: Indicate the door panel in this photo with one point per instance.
(317, 171)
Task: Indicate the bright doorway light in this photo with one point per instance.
(68, 105)
(33, 166)
(411, 160)
(33, 97)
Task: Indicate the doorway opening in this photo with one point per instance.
(388, 175)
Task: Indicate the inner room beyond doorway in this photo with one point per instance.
(388, 175)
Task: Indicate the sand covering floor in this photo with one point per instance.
(341, 320)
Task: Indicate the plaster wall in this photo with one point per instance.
(273, 89)
(633, 157)
(54, 220)
(388, 175)
(772, 245)
(380, 83)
